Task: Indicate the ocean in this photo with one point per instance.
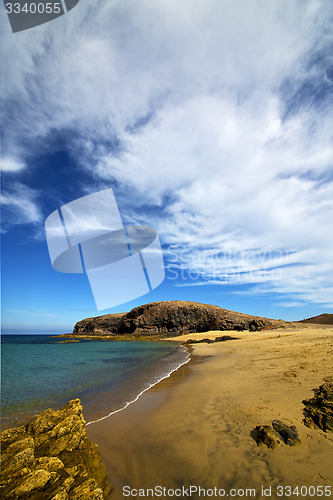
(39, 372)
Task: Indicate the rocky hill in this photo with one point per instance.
(322, 319)
(172, 318)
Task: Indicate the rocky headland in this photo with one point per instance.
(171, 318)
(51, 458)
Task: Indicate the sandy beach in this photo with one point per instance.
(194, 428)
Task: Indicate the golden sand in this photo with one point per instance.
(194, 428)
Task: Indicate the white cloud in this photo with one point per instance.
(22, 204)
(11, 164)
(291, 304)
(212, 110)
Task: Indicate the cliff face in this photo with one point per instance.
(109, 323)
(52, 458)
(172, 318)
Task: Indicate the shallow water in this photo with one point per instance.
(39, 372)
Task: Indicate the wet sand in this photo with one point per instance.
(194, 428)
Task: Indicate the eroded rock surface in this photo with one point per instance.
(51, 458)
(277, 434)
(289, 433)
(101, 325)
(318, 411)
(268, 436)
(171, 318)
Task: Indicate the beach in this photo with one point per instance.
(194, 428)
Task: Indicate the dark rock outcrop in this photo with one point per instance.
(268, 436)
(276, 435)
(289, 433)
(52, 458)
(172, 318)
(100, 325)
(318, 411)
(322, 319)
(224, 338)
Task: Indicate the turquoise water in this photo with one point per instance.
(39, 372)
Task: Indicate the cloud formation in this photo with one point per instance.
(20, 205)
(218, 113)
(11, 164)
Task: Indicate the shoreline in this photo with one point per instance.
(151, 374)
(196, 426)
(127, 404)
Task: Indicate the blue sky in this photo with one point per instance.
(211, 120)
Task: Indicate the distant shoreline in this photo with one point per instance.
(184, 337)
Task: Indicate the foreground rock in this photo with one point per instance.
(318, 411)
(51, 458)
(276, 435)
(268, 436)
(289, 433)
(172, 318)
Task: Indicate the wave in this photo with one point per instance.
(188, 357)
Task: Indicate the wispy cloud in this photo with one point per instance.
(11, 164)
(21, 205)
(216, 113)
(292, 304)
(40, 314)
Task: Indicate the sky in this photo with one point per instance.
(212, 122)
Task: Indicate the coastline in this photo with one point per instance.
(127, 404)
(195, 427)
(107, 377)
